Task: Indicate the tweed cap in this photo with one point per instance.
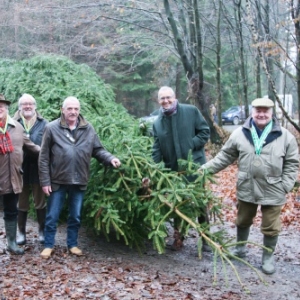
(2, 99)
(262, 102)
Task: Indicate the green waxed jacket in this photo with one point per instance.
(262, 179)
(176, 135)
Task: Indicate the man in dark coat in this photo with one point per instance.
(68, 145)
(179, 129)
(34, 125)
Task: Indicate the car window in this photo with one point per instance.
(232, 109)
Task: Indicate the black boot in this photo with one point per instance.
(22, 219)
(11, 232)
(41, 216)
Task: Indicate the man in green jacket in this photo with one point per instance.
(268, 163)
(179, 129)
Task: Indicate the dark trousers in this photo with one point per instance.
(10, 202)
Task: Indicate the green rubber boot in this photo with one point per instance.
(22, 219)
(242, 236)
(268, 263)
(11, 232)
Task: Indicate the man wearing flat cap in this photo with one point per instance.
(12, 141)
(268, 162)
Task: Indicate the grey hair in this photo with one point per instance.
(70, 98)
(26, 96)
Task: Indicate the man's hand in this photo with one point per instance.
(47, 190)
(115, 162)
(202, 170)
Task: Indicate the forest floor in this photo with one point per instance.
(111, 270)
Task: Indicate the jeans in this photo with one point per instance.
(55, 204)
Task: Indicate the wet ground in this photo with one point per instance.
(110, 270)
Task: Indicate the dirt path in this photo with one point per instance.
(113, 271)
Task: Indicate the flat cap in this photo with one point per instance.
(262, 102)
(2, 99)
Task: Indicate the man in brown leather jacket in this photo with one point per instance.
(68, 145)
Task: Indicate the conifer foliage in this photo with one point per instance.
(136, 201)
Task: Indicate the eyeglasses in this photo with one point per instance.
(27, 104)
(165, 98)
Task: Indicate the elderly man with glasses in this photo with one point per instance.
(33, 124)
(179, 129)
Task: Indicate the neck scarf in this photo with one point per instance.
(259, 141)
(5, 141)
(172, 110)
(28, 124)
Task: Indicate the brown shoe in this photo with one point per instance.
(75, 251)
(46, 253)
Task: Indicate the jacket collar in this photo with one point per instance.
(11, 121)
(274, 134)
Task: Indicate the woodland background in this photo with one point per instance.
(224, 52)
(114, 55)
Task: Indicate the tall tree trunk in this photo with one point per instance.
(192, 60)
(264, 65)
(295, 11)
(242, 58)
(219, 46)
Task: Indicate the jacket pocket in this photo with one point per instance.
(243, 181)
(276, 180)
(273, 180)
(243, 186)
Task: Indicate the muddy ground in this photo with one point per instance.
(110, 270)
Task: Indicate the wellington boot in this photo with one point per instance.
(41, 216)
(268, 263)
(11, 232)
(22, 219)
(242, 236)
